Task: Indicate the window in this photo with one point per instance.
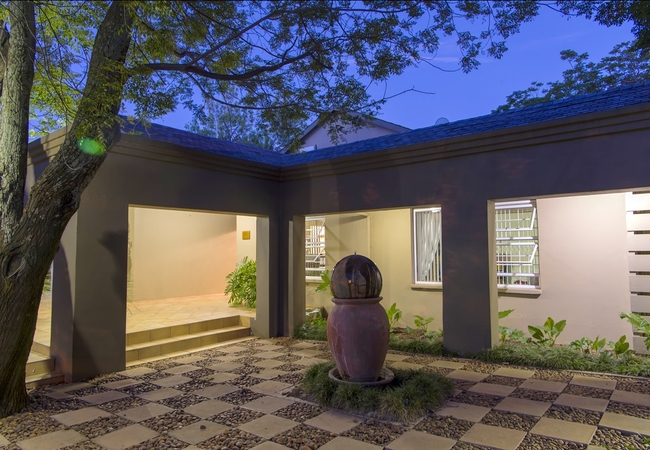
(517, 244)
(314, 247)
(427, 246)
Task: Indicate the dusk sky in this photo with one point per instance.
(533, 55)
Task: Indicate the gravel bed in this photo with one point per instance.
(474, 398)
(240, 397)
(552, 375)
(160, 442)
(503, 381)
(246, 370)
(534, 442)
(210, 353)
(531, 394)
(247, 360)
(200, 373)
(420, 359)
(447, 426)
(298, 393)
(629, 410)
(170, 421)
(28, 425)
(206, 362)
(587, 391)
(616, 440)
(232, 439)
(634, 385)
(88, 391)
(304, 435)
(153, 376)
(245, 381)
(236, 416)
(481, 367)
(163, 364)
(325, 355)
(101, 426)
(139, 388)
(288, 358)
(510, 420)
(462, 384)
(300, 411)
(439, 370)
(467, 446)
(290, 367)
(291, 378)
(194, 385)
(103, 379)
(376, 432)
(42, 403)
(85, 445)
(573, 415)
(122, 404)
(182, 401)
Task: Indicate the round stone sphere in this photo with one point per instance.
(355, 276)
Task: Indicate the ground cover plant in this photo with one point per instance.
(405, 399)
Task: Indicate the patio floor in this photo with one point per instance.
(241, 396)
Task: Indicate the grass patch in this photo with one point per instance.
(313, 331)
(407, 398)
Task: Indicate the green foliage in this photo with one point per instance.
(424, 346)
(241, 284)
(587, 345)
(407, 398)
(421, 323)
(620, 347)
(641, 324)
(315, 330)
(394, 315)
(325, 284)
(548, 333)
(509, 334)
(626, 64)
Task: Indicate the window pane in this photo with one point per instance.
(314, 246)
(427, 242)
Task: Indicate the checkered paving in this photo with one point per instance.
(245, 396)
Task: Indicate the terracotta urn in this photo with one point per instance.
(357, 326)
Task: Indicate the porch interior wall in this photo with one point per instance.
(583, 269)
(246, 247)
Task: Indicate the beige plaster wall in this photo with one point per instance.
(246, 247)
(177, 253)
(583, 269)
(321, 139)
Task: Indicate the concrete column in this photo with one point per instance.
(296, 273)
(261, 325)
(469, 298)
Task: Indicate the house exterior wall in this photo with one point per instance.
(321, 139)
(178, 253)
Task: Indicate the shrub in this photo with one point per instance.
(241, 284)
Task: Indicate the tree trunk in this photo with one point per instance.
(32, 243)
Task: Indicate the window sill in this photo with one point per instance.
(426, 287)
(520, 291)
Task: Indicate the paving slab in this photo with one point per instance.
(58, 395)
(221, 377)
(268, 426)
(218, 390)
(52, 441)
(268, 374)
(334, 421)
(136, 372)
(390, 357)
(269, 364)
(269, 348)
(467, 375)
(78, 416)
(514, 373)
(625, 423)
(267, 404)
(119, 384)
(307, 353)
(401, 365)
(70, 387)
(523, 406)
(125, 437)
(463, 411)
(3, 441)
(228, 358)
(304, 345)
(494, 437)
(184, 368)
(190, 359)
(566, 431)
(103, 397)
(269, 355)
(174, 380)
(160, 394)
(268, 445)
(198, 432)
(580, 402)
(417, 440)
(340, 442)
(232, 349)
(631, 397)
(309, 361)
(225, 366)
(208, 408)
(269, 387)
(543, 385)
(498, 390)
(599, 383)
(144, 412)
(448, 364)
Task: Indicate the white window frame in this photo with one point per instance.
(436, 269)
(314, 248)
(520, 242)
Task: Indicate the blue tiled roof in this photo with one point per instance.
(612, 99)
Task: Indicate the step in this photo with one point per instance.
(43, 349)
(140, 337)
(44, 379)
(39, 364)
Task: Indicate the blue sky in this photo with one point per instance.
(533, 55)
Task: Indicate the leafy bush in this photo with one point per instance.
(325, 284)
(587, 345)
(241, 284)
(394, 315)
(405, 399)
(641, 324)
(548, 333)
(509, 334)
